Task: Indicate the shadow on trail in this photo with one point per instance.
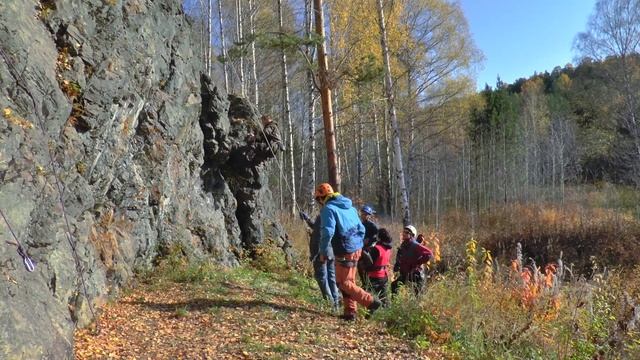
(207, 304)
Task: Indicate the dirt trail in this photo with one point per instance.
(233, 320)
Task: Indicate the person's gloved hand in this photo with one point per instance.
(304, 216)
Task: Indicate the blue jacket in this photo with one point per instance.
(314, 240)
(341, 227)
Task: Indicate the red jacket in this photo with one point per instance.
(410, 256)
(381, 256)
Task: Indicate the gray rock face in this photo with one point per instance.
(102, 105)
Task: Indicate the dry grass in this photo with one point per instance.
(582, 235)
(105, 233)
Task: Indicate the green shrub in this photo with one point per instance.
(408, 317)
(269, 258)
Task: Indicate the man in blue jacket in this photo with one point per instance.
(323, 271)
(342, 231)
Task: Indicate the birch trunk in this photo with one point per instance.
(387, 182)
(254, 71)
(359, 150)
(224, 48)
(380, 173)
(287, 114)
(239, 39)
(311, 108)
(404, 196)
(205, 34)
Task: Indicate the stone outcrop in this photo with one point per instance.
(103, 106)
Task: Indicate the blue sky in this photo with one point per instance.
(520, 37)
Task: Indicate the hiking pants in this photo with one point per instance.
(325, 275)
(414, 279)
(378, 287)
(352, 294)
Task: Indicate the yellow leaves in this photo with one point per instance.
(535, 86)
(16, 120)
(433, 242)
(563, 82)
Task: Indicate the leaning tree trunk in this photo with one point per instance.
(404, 196)
(287, 114)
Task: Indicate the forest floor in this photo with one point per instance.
(242, 313)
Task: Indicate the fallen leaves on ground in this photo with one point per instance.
(167, 320)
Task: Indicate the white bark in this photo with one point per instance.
(209, 39)
(404, 196)
(311, 108)
(254, 72)
(287, 114)
(239, 40)
(224, 48)
(359, 151)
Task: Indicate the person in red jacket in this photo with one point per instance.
(377, 259)
(409, 260)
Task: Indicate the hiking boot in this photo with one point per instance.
(375, 305)
(336, 308)
(348, 317)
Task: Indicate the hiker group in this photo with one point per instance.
(344, 243)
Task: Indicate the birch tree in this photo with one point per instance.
(224, 48)
(239, 41)
(397, 147)
(252, 32)
(287, 113)
(310, 92)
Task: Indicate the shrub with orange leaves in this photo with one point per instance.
(537, 288)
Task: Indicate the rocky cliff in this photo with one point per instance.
(113, 150)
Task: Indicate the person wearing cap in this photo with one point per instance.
(370, 227)
(409, 260)
(370, 237)
(342, 231)
(378, 258)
